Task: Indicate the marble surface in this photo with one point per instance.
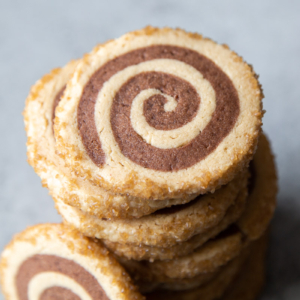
(36, 36)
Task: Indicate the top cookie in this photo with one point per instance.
(159, 113)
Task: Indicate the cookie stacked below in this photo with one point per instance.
(53, 261)
(197, 261)
(145, 145)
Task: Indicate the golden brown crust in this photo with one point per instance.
(230, 284)
(42, 239)
(261, 202)
(143, 252)
(248, 285)
(40, 103)
(211, 290)
(204, 260)
(185, 284)
(165, 228)
(252, 224)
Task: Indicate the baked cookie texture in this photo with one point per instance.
(151, 147)
(251, 221)
(200, 280)
(231, 284)
(151, 253)
(48, 261)
(62, 183)
(205, 263)
(251, 281)
(263, 189)
(131, 131)
(165, 227)
(204, 260)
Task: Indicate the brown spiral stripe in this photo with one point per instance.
(129, 142)
(52, 263)
(154, 111)
(58, 293)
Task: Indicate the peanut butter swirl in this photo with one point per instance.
(39, 263)
(188, 102)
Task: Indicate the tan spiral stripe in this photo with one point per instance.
(130, 143)
(51, 263)
(56, 101)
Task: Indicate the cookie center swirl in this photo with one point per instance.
(40, 276)
(183, 102)
(171, 104)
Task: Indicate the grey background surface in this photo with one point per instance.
(36, 36)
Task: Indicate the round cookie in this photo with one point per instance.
(166, 227)
(201, 279)
(160, 114)
(234, 284)
(211, 290)
(152, 253)
(249, 283)
(206, 259)
(263, 189)
(252, 223)
(52, 261)
(62, 184)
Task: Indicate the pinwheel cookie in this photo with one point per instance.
(62, 184)
(263, 189)
(159, 114)
(184, 284)
(51, 261)
(207, 259)
(250, 281)
(251, 222)
(165, 227)
(232, 284)
(152, 253)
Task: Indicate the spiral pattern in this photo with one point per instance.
(41, 277)
(168, 107)
(59, 293)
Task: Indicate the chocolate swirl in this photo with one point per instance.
(38, 264)
(58, 293)
(129, 141)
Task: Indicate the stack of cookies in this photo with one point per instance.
(151, 147)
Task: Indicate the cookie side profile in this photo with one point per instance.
(53, 261)
(164, 227)
(200, 280)
(252, 221)
(231, 284)
(263, 190)
(251, 280)
(152, 253)
(154, 114)
(206, 259)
